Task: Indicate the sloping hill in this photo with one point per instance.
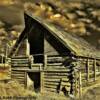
(80, 18)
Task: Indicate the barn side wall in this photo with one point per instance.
(52, 46)
(23, 49)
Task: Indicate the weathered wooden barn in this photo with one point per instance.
(55, 60)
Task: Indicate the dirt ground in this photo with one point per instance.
(92, 94)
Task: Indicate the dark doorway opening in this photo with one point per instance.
(35, 77)
(36, 40)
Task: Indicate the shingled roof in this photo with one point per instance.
(77, 45)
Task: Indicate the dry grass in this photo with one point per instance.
(92, 94)
(52, 96)
(13, 88)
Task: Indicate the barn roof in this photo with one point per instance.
(77, 45)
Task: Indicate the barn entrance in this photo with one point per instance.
(35, 77)
(36, 40)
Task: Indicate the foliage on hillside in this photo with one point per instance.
(81, 18)
(8, 36)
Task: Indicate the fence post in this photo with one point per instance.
(80, 85)
(88, 70)
(94, 69)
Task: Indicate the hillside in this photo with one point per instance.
(81, 18)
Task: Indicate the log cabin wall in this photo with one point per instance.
(87, 73)
(60, 74)
(52, 46)
(23, 49)
(57, 75)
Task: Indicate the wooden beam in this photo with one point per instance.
(25, 79)
(88, 70)
(80, 85)
(94, 70)
(76, 84)
(27, 47)
(42, 81)
(45, 61)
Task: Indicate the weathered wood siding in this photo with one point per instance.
(52, 46)
(56, 76)
(49, 49)
(87, 74)
(23, 49)
(20, 76)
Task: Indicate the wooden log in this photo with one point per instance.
(21, 65)
(65, 79)
(55, 64)
(18, 77)
(80, 85)
(18, 74)
(57, 69)
(52, 80)
(19, 57)
(50, 90)
(55, 57)
(55, 60)
(17, 71)
(94, 70)
(19, 62)
(88, 70)
(91, 76)
(22, 74)
(66, 84)
(57, 74)
(25, 79)
(36, 68)
(76, 85)
(50, 86)
(51, 70)
(56, 77)
(58, 66)
(51, 83)
(5, 65)
(42, 82)
(45, 61)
